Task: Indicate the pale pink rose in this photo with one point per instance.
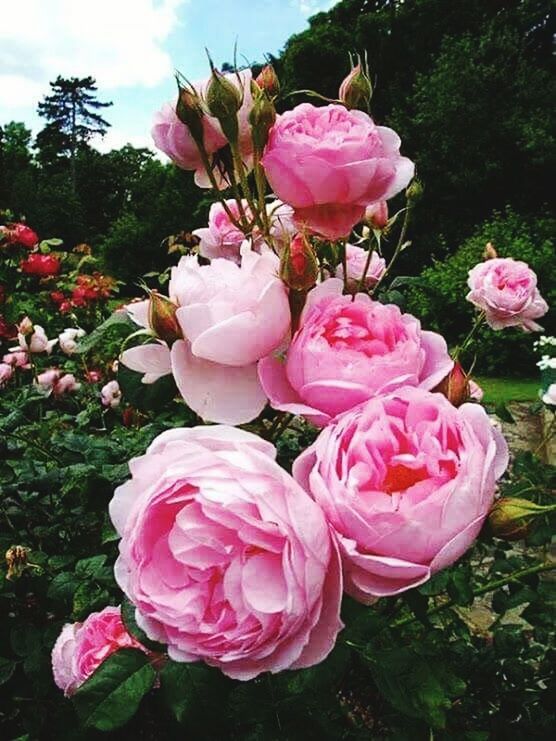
(406, 481)
(69, 339)
(17, 358)
(231, 315)
(506, 290)
(111, 394)
(330, 163)
(33, 341)
(376, 215)
(82, 647)
(347, 350)
(282, 223)
(221, 238)
(173, 137)
(356, 259)
(58, 383)
(475, 391)
(6, 372)
(225, 557)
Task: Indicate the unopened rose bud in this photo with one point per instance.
(25, 326)
(162, 318)
(455, 386)
(224, 100)
(17, 558)
(299, 268)
(267, 80)
(489, 252)
(189, 110)
(414, 191)
(356, 90)
(376, 215)
(511, 518)
(261, 118)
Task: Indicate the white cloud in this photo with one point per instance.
(116, 139)
(311, 7)
(118, 42)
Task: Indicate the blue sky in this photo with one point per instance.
(132, 47)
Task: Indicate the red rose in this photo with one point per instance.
(23, 235)
(42, 265)
(58, 297)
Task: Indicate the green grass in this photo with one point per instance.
(499, 390)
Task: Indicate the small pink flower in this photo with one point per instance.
(406, 481)
(221, 238)
(6, 372)
(225, 557)
(348, 350)
(69, 339)
(32, 338)
(506, 290)
(66, 385)
(82, 647)
(17, 359)
(110, 394)
(376, 215)
(356, 259)
(173, 137)
(58, 383)
(330, 163)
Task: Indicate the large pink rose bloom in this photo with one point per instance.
(225, 557)
(348, 350)
(506, 290)
(406, 481)
(230, 316)
(173, 137)
(330, 163)
(82, 647)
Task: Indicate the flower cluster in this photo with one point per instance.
(227, 558)
(87, 290)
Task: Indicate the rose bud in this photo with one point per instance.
(224, 100)
(376, 215)
(190, 112)
(510, 517)
(298, 264)
(261, 118)
(356, 90)
(162, 318)
(17, 558)
(414, 191)
(267, 80)
(489, 252)
(455, 386)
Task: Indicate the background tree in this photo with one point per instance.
(72, 118)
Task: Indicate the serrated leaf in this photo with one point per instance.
(63, 586)
(111, 696)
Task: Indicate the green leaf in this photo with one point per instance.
(418, 686)
(62, 586)
(90, 567)
(7, 668)
(459, 588)
(119, 321)
(503, 413)
(111, 696)
(128, 619)
(185, 687)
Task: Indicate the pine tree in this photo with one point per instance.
(72, 118)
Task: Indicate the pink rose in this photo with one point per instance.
(225, 557)
(6, 372)
(82, 647)
(348, 350)
(231, 315)
(17, 359)
(406, 481)
(506, 290)
(58, 383)
(173, 137)
(111, 395)
(376, 215)
(356, 259)
(330, 163)
(221, 238)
